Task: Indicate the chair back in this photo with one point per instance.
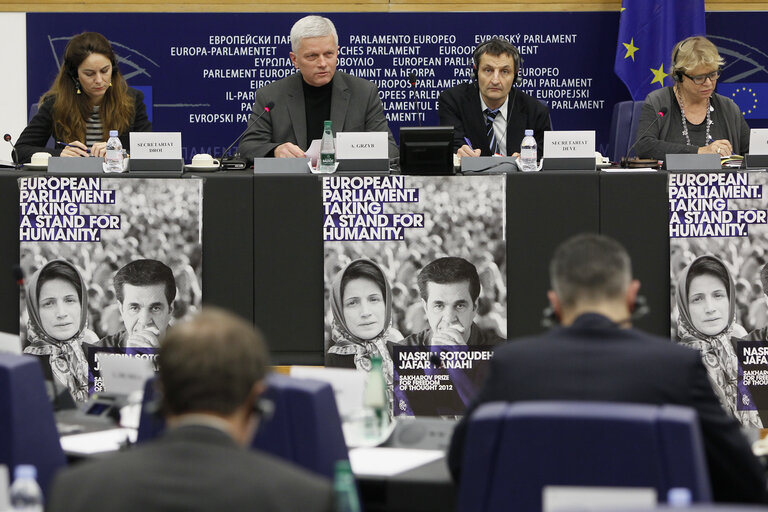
(520, 448)
(621, 125)
(305, 426)
(637, 107)
(28, 432)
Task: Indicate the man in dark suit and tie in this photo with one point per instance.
(212, 371)
(304, 100)
(489, 115)
(595, 355)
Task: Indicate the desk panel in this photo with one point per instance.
(543, 209)
(288, 266)
(228, 243)
(634, 210)
(9, 252)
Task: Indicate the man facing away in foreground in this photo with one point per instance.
(212, 372)
(596, 355)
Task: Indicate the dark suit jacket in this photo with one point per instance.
(190, 468)
(460, 107)
(40, 128)
(595, 360)
(355, 107)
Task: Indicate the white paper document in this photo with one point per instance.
(389, 461)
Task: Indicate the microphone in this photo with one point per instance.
(660, 114)
(412, 80)
(14, 156)
(18, 276)
(235, 162)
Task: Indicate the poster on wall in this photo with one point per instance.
(719, 274)
(108, 264)
(415, 273)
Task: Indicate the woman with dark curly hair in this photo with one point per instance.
(88, 98)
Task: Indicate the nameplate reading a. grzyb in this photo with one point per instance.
(361, 145)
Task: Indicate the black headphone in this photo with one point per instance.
(550, 318)
(677, 76)
(506, 47)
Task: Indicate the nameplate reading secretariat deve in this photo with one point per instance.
(569, 144)
(361, 145)
(156, 145)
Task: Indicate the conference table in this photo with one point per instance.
(263, 259)
(263, 246)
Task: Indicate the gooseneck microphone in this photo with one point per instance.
(659, 115)
(14, 155)
(412, 81)
(235, 162)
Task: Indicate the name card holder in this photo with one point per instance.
(756, 161)
(693, 162)
(569, 164)
(569, 151)
(363, 165)
(62, 165)
(362, 152)
(153, 166)
(270, 166)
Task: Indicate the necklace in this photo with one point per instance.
(707, 138)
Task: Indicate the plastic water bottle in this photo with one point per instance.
(5, 502)
(344, 488)
(679, 497)
(327, 163)
(528, 153)
(26, 495)
(114, 158)
(375, 399)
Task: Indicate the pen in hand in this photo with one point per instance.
(466, 139)
(72, 146)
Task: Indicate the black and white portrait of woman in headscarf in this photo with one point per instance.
(361, 303)
(57, 327)
(706, 306)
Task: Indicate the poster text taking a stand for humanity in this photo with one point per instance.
(415, 273)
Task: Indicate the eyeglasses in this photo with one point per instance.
(700, 79)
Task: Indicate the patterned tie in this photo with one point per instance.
(490, 115)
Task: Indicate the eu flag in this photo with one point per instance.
(752, 98)
(648, 30)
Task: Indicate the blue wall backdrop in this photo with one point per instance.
(201, 69)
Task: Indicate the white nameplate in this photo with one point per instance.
(758, 141)
(10, 344)
(123, 374)
(569, 144)
(156, 145)
(556, 498)
(361, 145)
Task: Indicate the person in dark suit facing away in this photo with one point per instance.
(596, 355)
(212, 372)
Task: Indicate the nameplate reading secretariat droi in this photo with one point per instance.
(569, 144)
(362, 145)
(156, 145)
